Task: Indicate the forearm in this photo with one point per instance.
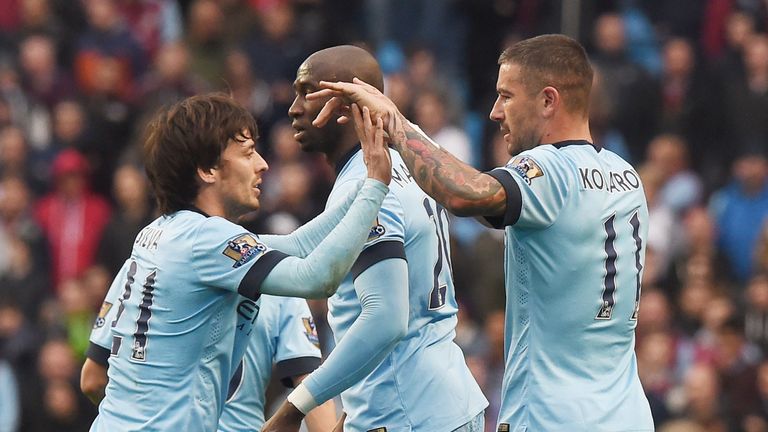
(322, 418)
(307, 237)
(319, 274)
(459, 187)
(383, 321)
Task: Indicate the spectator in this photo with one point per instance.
(170, 79)
(681, 188)
(72, 218)
(430, 113)
(133, 212)
(740, 209)
(756, 315)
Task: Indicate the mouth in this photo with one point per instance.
(298, 131)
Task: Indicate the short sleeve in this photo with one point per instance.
(227, 256)
(386, 236)
(101, 334)
(297, 351)
(536, 186)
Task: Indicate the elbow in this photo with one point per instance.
(461, 207)
(93, 383)
(393, 328)
(93, 389)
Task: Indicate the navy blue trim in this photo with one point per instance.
(98, 354)
(347, 156)
(194, 208)
(562, 144)
(514, 199)
(250, 286)
(287, 369)
(376, 253)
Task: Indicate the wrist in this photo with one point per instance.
(302, 399)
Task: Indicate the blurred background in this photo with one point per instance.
(681, 91)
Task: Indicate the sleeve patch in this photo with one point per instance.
(243, 248)
(310, 330)
(100, 319)
(528, 168)
(377, 230)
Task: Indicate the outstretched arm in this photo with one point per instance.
(307, 237)
(459, 187)
(383, 321)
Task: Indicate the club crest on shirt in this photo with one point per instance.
(377, 230)
(243, 248)
(100, 319)
(311, 331)
(528, 168)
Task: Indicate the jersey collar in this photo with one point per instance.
(347, 156)
(562, 144)
(194, 208)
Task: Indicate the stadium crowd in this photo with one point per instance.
(681, 91)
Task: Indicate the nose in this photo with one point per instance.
(497, 112)
(295, 110)
(260, 165)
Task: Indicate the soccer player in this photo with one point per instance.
(394, 317)
(191, 287)
(283, 336)
(575, 220)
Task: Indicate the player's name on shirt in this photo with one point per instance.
(401, 175)
(148, 238)
(612, 182)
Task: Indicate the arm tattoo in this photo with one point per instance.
(457, 186)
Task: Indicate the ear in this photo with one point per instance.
(550, 101)
(207, 176)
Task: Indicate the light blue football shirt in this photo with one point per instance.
(188, 302)
(284, 336)
(576, 227)
(424, 384)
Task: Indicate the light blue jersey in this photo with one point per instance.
(284, 336)
(424, 384)
(576, 225)
(186, 305)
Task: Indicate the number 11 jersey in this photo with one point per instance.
(576, 224)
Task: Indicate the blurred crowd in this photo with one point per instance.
(681, 91)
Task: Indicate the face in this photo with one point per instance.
(302, 112)
(238, 177)
(515, 111)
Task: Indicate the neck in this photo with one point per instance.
(566, 129)
(347, 142)
(208, 202)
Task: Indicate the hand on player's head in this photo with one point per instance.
(344, 93)
(375, 151)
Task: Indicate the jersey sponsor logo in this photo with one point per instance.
(243, 248)
(101, 318)
(503, 427)
(377, 230)
(528, 168)
(311, 331)
(380, 429)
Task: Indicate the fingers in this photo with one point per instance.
(324, 93)
(332, 106)
(379, 137)
(357, 80)
(357, 116)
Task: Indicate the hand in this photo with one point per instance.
(343, 93)
(286, 419)
(375, 151)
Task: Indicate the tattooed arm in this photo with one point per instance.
(459, 187)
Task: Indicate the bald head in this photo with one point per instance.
(344, 62)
